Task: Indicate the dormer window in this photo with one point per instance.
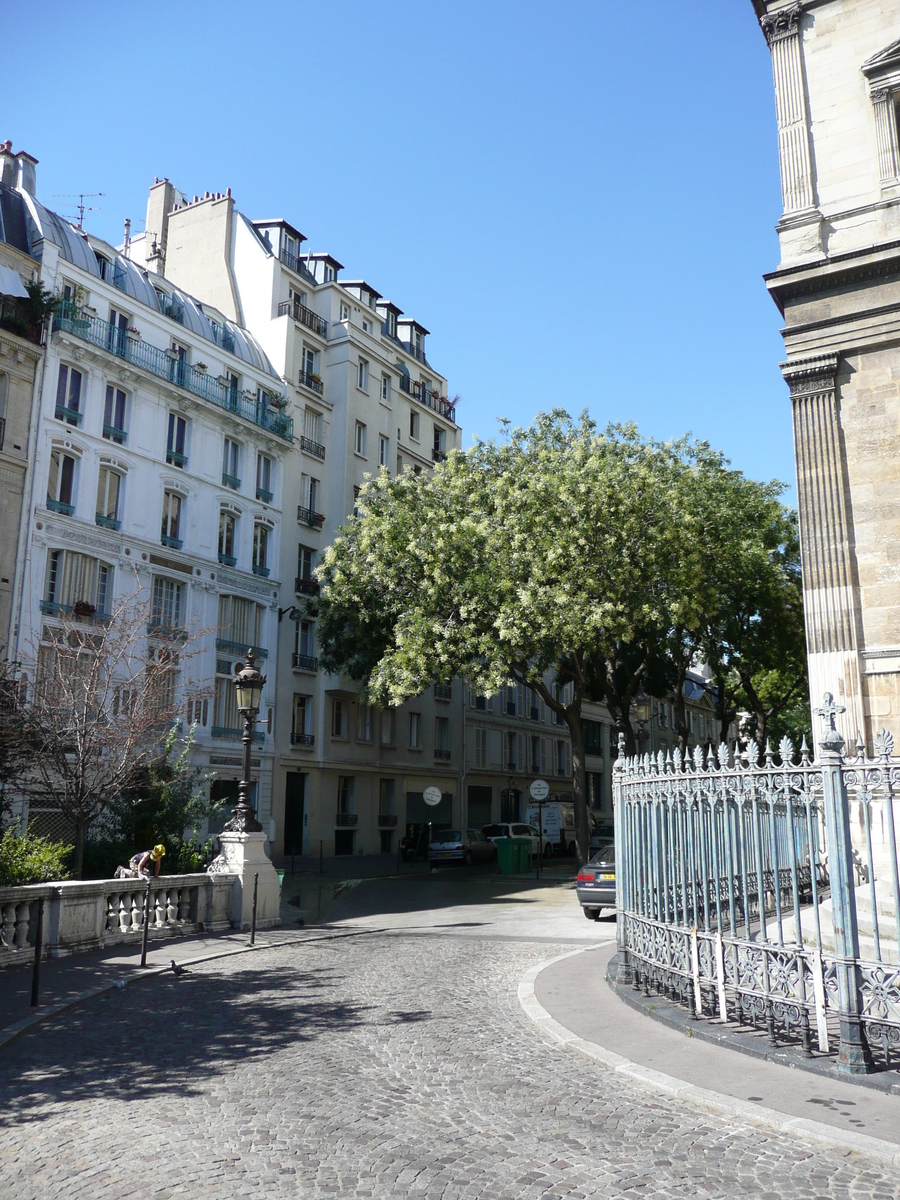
(329, 273)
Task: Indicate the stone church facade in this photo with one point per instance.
(836, 67)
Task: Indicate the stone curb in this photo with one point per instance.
(11, 1032)
(729, 1106)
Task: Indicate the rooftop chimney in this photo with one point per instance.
(8, 167)
(27, 180)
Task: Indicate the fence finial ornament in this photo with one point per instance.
(828, 710)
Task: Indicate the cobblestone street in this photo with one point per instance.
(379, 1064)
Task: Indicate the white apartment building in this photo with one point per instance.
(157, 469)
(347, 778)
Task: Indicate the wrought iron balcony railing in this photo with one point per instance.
(296, 264)
(158, 627)
(113, 434)
(415, 352)
(173, 543)
(79, 611)
(303, 739)
(428, 397)
(308, 516)
(167, 366)
(234, 735)
(304, 662)
(303, 315)
(231, 481)
(264, 495)
(227, 560)
(442, 754)
(71, 416)
(306, 587)
(346, 820)
(311, 447)
(443, 691)
(438, 456)
(240, 648)
(261, 571)
(108, 522)
(176, 459)
(60, 506)
(387, 820)
(313, 382)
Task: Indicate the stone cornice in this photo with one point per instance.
(20, 346)
(854, 267)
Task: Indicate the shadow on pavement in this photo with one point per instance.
(167, 1040)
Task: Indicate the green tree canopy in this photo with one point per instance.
(558, 548)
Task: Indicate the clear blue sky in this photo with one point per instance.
(577, 198)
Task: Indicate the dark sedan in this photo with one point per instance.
(595, 885)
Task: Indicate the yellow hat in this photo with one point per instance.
(157, 852)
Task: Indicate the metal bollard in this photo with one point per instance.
(321, 867)
(146, 925)
(253, 917)
(38, 946)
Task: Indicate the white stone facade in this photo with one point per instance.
(836, 67)
(155, 416)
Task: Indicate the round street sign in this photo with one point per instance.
(540, 789)
(432, 796)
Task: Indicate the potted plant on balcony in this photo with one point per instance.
(278, 402)
(83, 608)
(201, 367)
(317, 379)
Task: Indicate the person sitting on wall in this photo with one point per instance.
(137, 865)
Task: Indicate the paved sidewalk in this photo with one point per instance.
(575, 993)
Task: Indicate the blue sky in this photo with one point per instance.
(577, 199)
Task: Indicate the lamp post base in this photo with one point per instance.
(245, 856)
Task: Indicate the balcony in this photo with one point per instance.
(345, 820)
(16, 318)
(313, 382)
(265, 496)
(173, 543)
(80, 611)
(298, 265)
(113, 434)
(387, 820)
(429, 398)
(165, 366)
(303, 739)
(306, 587)
(60, 506)
(107, 522)
(304, 662)
(308, 516)
(301, 314)
(231, 481)
(311, 447)
(438, 456)
(233, 735)
(443, 691)
(176, 459)
(227, 560)
(71, 416)
(261, 571)
(442, 755)
(240, 648)
(415, 352)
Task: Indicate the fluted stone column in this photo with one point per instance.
(830, 597)
(782, 32)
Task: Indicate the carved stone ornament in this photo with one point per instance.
(810, 376)
(218, 866)
(781, 24)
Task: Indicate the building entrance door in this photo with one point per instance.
(294, 805)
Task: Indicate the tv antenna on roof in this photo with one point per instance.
(81, 206)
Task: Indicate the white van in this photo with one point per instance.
(558, 824)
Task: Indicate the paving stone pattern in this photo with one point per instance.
(373, 1066)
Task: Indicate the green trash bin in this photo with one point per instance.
(280, 875)
(521, 855)
(505, 850)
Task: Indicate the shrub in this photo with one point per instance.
(29, 859)
(192, 856)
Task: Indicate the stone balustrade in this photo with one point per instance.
(86, 915)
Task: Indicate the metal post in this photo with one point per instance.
(854, 1057)
(399, 844)
(253, 917)
(38, 947)
(624, 973)
(321, 867)
(146, 923)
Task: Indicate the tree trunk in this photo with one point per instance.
(579, 776)
(80, 830)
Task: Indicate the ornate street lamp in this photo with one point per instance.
(248, 688)
(641, 707)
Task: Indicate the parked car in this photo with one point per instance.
(466, 845)
(595, 884)
(505, 829)
(602, 832)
